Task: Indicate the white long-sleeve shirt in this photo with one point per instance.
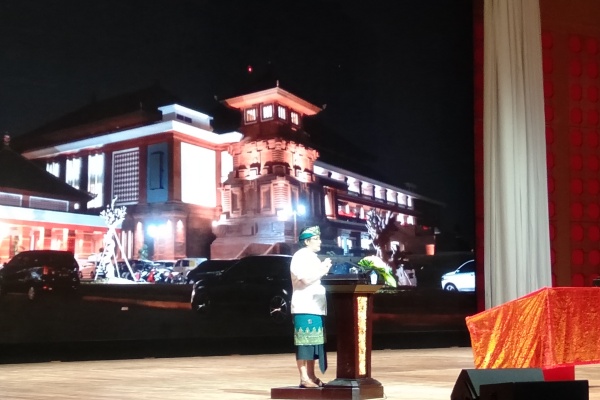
(308, 296)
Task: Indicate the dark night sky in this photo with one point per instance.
(396, 72)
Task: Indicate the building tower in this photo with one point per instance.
(271, 191)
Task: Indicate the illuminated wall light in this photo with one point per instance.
(124, 243)
(156, 231)
(4, 229)
(40, 243)
(129, 244)
(153, 231)
(283, 215)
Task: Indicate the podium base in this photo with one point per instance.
(338, 389)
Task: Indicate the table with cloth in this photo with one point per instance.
(548, 328)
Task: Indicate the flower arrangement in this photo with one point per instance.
(384, 271)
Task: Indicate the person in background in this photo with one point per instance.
(309, 306)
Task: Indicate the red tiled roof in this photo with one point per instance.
(20, 175)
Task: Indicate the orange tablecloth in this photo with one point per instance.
(548, 328)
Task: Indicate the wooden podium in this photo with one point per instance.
(352, 301)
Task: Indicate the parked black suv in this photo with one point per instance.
(255, 286)
(40, 271)
(207, 268)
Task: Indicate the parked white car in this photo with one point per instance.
(462, 280)
(185, 265)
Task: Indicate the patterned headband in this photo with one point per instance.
(309, 232)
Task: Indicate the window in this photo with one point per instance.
(294, 117)
(48, 204)
(392, 196)
(96, 179)
(126, 176)
(265, 197)
(281, 112)
(226, 198)
(267, 112)
(54, 168)
(184, 118)
(226, 165)
(235, 200)
(73, 172)
(250, 115)
(156, 171)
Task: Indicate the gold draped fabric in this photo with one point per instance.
(547, 328)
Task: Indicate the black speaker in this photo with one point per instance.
(469, 380)
(551, 390)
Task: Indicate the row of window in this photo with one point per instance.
(272, 197)
(267, 113)
(379, 193)
(125, 175)
(95, 175)
(196, 188)
(357, 211)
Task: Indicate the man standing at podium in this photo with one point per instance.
(309, 306)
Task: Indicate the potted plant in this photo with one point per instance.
(376, 265)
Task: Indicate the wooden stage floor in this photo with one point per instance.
(411, 374)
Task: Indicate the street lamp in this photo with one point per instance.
(284, 214)
(300, 210)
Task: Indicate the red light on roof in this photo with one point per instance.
(249, 69)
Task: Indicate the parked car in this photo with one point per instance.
(209, 267)
(462, 280)
(185, 265)
(259, 286)
(165, 263)
(87, 269)
(38, 272)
